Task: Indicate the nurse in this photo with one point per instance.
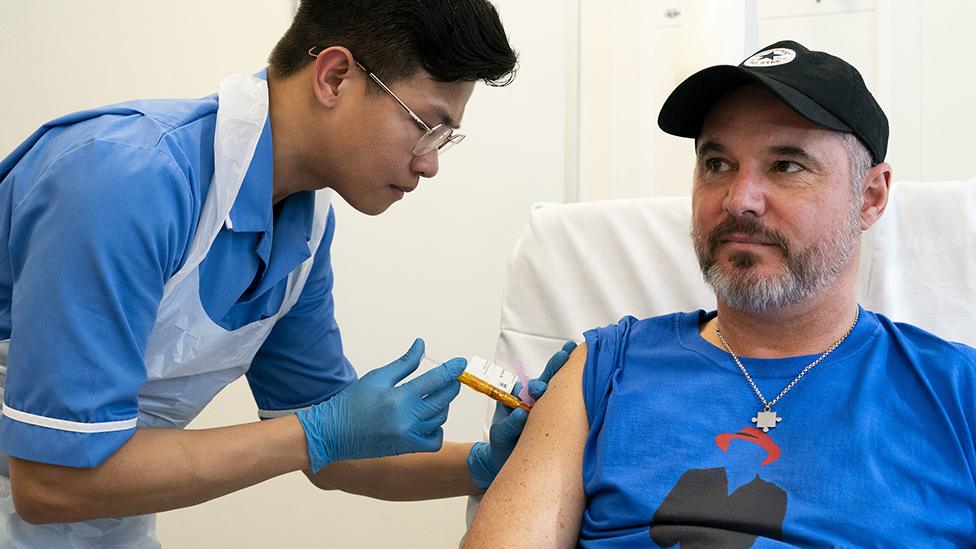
(153, 252)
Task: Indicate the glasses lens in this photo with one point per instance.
(434, 139)
(451, 141)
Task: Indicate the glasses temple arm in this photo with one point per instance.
(394, 96)
(315, 50)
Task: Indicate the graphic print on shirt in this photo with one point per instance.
(701, 512)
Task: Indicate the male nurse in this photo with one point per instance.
(152, 252)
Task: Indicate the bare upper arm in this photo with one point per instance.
(537, 498)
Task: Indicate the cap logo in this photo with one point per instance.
(771, 58)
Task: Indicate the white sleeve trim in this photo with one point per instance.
(64, 425)
(271, 414)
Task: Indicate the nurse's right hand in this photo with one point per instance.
(374, 418)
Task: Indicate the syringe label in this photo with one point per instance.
(492, 373)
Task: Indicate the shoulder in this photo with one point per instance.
(141, 148)
(171, 114)
(933, 375)
(170, 134)
(108, 175)
(645, 329)
(939, 362)
(109, 194)
(181, 131)
(915, 341)
(610, 349)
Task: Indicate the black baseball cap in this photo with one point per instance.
(820, 87)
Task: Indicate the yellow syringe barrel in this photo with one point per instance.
(486, 388)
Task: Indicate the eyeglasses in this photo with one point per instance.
(441, 137)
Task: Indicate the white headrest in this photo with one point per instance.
(579, 266)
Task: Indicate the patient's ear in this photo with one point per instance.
(877, 183)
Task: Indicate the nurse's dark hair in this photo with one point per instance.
(453, 40)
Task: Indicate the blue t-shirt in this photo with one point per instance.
(97, 211)
(875, 447)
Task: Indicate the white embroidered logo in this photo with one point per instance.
(771, 58)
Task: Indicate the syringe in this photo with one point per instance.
(490, 379)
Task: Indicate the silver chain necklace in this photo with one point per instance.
(766, 419)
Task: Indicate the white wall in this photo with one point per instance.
(62, 55)
(914, 56)
(431, 267)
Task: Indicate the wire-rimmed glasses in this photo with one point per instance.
(441, 137)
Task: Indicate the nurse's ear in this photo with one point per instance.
(333, 66)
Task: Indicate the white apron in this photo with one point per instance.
(189, 358)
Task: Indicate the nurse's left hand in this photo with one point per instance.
(485, 459)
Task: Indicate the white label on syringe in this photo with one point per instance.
(492, 373)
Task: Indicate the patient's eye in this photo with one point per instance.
(787, 166)
(715, 165)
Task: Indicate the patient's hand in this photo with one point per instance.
(538, 497)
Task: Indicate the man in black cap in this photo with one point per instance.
(862, 428)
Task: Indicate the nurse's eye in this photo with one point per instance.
(787, 166)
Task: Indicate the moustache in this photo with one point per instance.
(746, 226)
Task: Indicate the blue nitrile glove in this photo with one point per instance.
(486, 458)
(374, 418)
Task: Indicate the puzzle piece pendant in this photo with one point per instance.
(766, 420)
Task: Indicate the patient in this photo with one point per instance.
(788, 416)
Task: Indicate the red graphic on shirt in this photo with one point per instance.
(751, 434)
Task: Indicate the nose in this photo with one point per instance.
(425, 165)
(746, 196)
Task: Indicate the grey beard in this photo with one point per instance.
(805, 272)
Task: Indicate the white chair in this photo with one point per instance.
(579, 266)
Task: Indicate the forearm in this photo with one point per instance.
(159, 470)
(410, 477)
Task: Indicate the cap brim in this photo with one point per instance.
(685, 110)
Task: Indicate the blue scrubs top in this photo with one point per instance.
(97, 211)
